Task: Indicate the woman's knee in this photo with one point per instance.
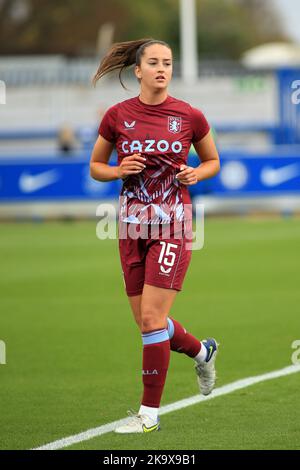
(152, 319)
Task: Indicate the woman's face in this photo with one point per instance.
(155, 62)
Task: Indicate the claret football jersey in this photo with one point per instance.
(162, 134)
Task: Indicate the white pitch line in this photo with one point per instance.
(178, 405)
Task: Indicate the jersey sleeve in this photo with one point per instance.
(107, 127)
(200, 125)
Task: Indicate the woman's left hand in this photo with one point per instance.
(187, 175)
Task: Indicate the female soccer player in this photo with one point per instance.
(152, 133)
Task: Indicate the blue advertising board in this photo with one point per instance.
(248, 175)
(51, 179)
(242, 174)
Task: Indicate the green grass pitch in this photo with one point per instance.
(73, 351)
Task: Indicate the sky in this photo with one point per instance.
(290, 13)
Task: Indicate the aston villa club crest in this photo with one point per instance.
(174, 124)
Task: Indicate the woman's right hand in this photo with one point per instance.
(131, 165)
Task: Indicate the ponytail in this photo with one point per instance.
(122, 55)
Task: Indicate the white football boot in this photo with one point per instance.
(138, 424)
(206, 371)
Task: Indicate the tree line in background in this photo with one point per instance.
(226, 28)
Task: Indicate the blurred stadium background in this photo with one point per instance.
(236, 60)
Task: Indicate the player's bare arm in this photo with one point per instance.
(100, 170)
(210, 162)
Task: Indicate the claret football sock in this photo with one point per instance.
(183, 342)
(156, 358)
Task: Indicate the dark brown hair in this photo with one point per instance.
(124, 54)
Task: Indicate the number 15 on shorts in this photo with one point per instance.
(167, 256)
